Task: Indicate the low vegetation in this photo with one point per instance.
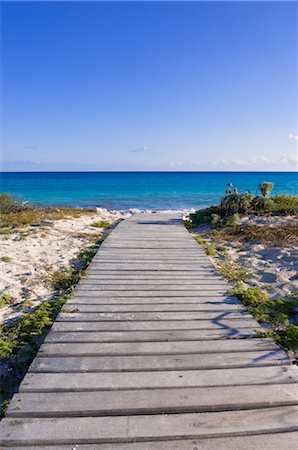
(20, 339)
(276, 235)
(19, 342)
(209, 249)
(234, 272)
(233, 206)
(104, 224)
(5, 300)
(6, 258)
(278, 312)
(14, 214)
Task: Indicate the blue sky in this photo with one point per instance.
(149, 86)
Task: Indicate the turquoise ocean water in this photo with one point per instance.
(143, 190)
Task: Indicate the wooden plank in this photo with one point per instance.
(151, 293)
(113, 276)
(160, 426)
(231, 326)
(159, 362)
(91, 283)
(150, 401)
(194, 272)
(157, 348)
(91, 381)
(210, 300)
(145, 336)
(150, 316)
(93, 305)
(272, 441)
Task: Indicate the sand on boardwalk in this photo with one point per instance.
(28, 257)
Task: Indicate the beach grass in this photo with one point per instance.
(14, 215)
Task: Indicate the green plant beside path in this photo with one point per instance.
(278, 312)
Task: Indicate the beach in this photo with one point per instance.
(30, 255)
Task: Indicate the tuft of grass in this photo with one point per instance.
(26, 304)
(6, 258)
(104, 224)
(63, 281)
(209, 249)
(221, 248)
(5, 300)
(234, 272)
(4, 406)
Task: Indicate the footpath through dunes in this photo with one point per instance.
(152, 353)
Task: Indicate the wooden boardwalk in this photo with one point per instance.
(153, 354)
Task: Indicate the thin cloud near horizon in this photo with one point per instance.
(144, 148)
(293, 137)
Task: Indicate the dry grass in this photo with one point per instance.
(279, 235)
(34, 215)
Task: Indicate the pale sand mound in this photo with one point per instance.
(38, 251)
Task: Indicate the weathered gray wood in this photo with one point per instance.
(272, 441)
(147, 284)
(95, 306)
(160, 348)
(65, 322)
(212, 301)
(150, 401)
(146, 336)
(75, 315)
(91, 381)
(159, 362)
(160, 276)
(137, 428)
(154, 292)
(127, 274)
(151, 330)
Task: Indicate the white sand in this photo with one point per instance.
(275, 268)
(38, 251)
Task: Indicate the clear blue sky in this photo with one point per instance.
(174, 86)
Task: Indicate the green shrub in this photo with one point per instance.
(203, 215)
(266, 187)
(241, 204)
(289, 337)
(252, 296)
(232, 221)
(8, 204)
(285, 204)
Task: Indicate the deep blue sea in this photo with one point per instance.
(143, 190)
